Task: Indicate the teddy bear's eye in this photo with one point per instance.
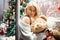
(37, 25)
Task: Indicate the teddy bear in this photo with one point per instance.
(39, 25)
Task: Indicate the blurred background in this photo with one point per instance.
(7, 19)
(3, 6)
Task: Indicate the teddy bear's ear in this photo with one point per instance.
(44, 17)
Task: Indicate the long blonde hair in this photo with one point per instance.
(35, 5)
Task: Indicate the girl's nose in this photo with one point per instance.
(32, 12)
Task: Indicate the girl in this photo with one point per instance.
(33, 16)
(36, 22)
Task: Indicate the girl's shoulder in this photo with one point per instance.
(25, 17)
(26, 20)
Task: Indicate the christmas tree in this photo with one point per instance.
(9, 17)
(23, 4)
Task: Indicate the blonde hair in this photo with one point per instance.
(35, 5)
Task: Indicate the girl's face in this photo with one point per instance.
(31, 11)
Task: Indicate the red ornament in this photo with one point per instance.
(2, 32)
(59, 8)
